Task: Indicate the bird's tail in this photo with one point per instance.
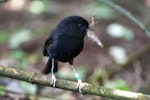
(48, 66)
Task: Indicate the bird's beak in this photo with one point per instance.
(91, 35)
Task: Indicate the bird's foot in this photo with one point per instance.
(79, 86)
(53, 80)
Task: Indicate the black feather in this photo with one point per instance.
(65, 41)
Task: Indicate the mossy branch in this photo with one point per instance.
(125, 12)
(44, 80)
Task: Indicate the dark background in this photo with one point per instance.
(25, 25)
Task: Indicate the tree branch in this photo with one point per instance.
(141, 25)
(70, 85)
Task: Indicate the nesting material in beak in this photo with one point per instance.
(91, 33)
(93, 37)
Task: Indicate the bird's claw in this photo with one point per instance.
(53, 80)
(79, 86)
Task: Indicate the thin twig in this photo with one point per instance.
(140, 24)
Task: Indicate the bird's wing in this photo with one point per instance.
(48, 42)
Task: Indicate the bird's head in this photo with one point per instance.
(79, 27)
(74, 26)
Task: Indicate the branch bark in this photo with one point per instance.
(118, 8)
(44, 80)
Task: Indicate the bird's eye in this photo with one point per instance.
(79, 25)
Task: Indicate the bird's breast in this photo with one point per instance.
(67, 49)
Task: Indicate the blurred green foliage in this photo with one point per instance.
(102, 11)
(4, 36)
(117, 30)
(17, 54)
(2, 92)
(118, 83)
(67, 73)
(18, 37)
(32, 89)
(37, 7)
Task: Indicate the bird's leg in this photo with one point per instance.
(79, 85)
(53, 80)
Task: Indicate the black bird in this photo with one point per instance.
(64, 44)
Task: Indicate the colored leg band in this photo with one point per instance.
(77, 76)
(52, 71)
